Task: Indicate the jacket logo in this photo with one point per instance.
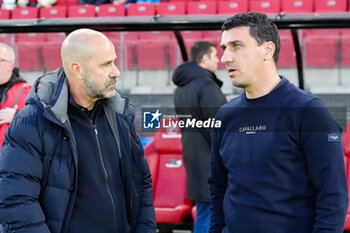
(174, 163)
(333, 137)
(252, 129)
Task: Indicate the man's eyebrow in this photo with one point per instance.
(233, 42)
(109, 61)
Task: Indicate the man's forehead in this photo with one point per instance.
(235, 34)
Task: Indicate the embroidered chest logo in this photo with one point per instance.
(252, 129)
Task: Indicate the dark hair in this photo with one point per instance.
(261, 28)
(199, 49)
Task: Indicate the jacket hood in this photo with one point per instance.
(189, 71)
(51, 93)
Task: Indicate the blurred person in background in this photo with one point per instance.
(277, 160)
(198, 94)
(13, 88)
(72, 161)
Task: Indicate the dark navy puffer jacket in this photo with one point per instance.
(38, 163)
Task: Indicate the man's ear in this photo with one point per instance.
(77, 70)
(204, 60)
(270, 49)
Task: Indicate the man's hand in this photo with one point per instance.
(7, 115)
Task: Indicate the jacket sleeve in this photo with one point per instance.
(320, 137)
(146, 220)
(217, 186)
(20, 175)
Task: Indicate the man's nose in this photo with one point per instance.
(226, 57)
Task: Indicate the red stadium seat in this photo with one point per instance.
(170, 202)
(25, 13)
(156, 35)
(194, 213)
(297, 6)
(198, 35)
(191, 37)
(4, 14)
(72, 2)
(81, 11)
(171, 8)
(66, 3)
(201, 8)
(129, 49)
(7, 38)
(321, 51)
(287, 51)
(57, 37)
(113, 36)
(111, 10)
(141, 9)
(153, 54)
(346, 146)
(153, 162)
(185, 1)
(53, 12)
(31, 37)
(51, 55)
(231, 7)
(28, 56)
(330, 5)
(266, 6)
(345, 46)
(61, 3)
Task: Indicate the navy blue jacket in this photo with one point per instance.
(197, 94)
(277, 166)
(38, 163)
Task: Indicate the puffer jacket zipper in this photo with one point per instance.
(105, 172)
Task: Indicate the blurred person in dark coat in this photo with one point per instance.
(198, 94)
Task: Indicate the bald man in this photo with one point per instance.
(71, 160)
(13, 88)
